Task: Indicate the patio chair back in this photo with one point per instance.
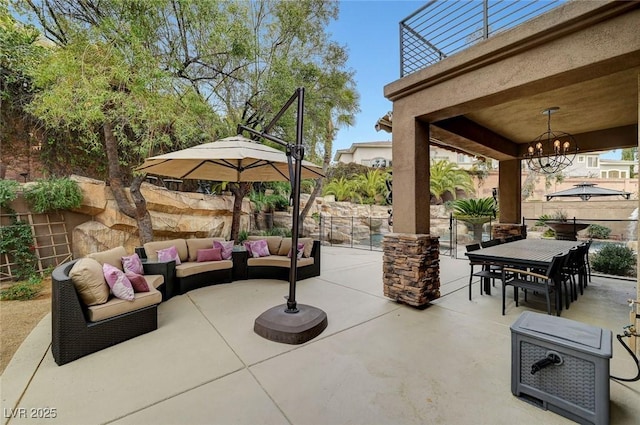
(535, 282)
(492, 242)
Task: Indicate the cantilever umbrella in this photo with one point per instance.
(232, 159)
(586, 191)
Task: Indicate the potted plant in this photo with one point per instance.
(563, 228)
(475, 212)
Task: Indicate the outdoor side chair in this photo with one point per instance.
(487, 270)
(534, 282)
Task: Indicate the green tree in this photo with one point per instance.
(630, 154)
(446, 177)
(223, 63)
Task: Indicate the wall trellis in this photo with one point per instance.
(50, 239)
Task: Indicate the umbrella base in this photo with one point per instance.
(291, 328)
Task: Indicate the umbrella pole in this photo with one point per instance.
(292, 323)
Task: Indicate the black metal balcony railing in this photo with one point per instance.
(441, 28)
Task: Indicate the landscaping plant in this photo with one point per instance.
(597, 231)
(614, 259)
(23, 290)
(53, 194)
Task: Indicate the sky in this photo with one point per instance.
(370, 31)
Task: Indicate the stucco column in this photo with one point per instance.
(410, 175)
(510, 189)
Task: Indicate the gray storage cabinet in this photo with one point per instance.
(575, 381)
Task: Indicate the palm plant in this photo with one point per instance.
(341, 188)
(475, 212)
(447, 177)
(371, 185)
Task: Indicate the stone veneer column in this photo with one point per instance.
(503, 230)
(411, 272)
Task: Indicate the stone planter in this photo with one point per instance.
(566, 230)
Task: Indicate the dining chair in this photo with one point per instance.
(535, 282)
(493, 267)
(569, 270)
(485, 272)
(586, 260)
(492, 242)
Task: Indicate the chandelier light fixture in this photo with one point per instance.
(552, 151)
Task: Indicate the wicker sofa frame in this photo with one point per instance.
(182, 285)
(282, 273)
(73, 336)
(200, 280)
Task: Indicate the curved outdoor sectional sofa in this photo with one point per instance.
(87, 317)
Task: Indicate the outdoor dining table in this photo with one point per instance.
(524, 253)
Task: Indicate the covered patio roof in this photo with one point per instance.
(583, 57)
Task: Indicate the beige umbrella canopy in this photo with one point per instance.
(232, 159)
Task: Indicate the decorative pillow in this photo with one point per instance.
(300, 250)
(118, 282)
(247, 246)
(209, 254)
(258, 248)
(169, 254)
(308, 246)
(138, 282)
(131, 263)
(226, 248)
(88, 279)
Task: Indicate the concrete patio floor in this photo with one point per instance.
(378, 362)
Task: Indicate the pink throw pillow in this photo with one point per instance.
(138, 282)
(247, 246)
(118, 282)
(132, 263)
(258, 248)
(169, 254)
(300, 250)
(226, 248)
(211, 254)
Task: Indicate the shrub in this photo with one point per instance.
(242, 236)
(23, 290)
(279, 202)
(597, 231)
(8, 192)
(53, 194)
(16, 241)
(614, 259)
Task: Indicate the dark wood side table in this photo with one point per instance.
(166, 269)
(240, 257)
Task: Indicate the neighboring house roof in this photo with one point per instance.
(361, 145)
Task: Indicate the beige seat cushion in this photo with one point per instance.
(190, 268)
(278, 261)
(154, 280)
(112, 256)
(273, 242)
(116, 306)
(195, 244)
(88, 279)
(152, 248)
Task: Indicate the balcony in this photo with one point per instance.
(441, 28)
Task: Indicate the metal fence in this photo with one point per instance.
(441, 28)
(602, 231)
(368, 232)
